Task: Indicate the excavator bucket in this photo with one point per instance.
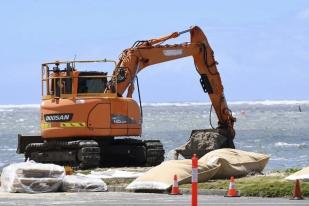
(201, 142)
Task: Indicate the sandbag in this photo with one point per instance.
(161, 176)
(300, 175)
(221, 163)
(31, 177)
(234, 162)
(75, 183)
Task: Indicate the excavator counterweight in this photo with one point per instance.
(88, 121)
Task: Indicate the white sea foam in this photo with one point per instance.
(184, 104)
(264, 102)
(247, 146)
(285, 144)
(8, 149)
(177, 104)
(278, 159)
(272, 102)
(6, 110)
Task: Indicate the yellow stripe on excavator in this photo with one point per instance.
(72, 124)
(45, 125)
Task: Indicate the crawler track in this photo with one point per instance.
(154, 152)
(83, 154)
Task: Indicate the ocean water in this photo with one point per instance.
(276, 128)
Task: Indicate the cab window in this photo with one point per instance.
(89, 84)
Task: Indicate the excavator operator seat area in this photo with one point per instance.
(61, 86)
(63, 80)
(92, 82)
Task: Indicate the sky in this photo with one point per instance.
(262, 46)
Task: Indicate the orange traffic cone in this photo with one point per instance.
(175, 188)
(297, 192)
(232, 192)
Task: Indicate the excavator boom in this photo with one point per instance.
(146, 53)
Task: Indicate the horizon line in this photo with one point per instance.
(191, 103)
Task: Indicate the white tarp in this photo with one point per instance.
(31, 177)
(112, 173)
(75, 183)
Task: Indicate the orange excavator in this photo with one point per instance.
(86, 120)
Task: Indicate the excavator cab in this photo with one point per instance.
(67, 82)
(92, 82)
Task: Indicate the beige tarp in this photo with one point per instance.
(300, 175)
(221, 163)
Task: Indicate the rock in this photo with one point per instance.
(202, 142)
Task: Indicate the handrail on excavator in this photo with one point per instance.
(80, 61)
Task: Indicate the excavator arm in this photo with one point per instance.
(146, 53)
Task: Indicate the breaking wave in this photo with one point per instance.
(186, 104)
(272, 102)
(285, 144)
(177, 104)
(278, 159)
(8, 149)
(264, 102)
